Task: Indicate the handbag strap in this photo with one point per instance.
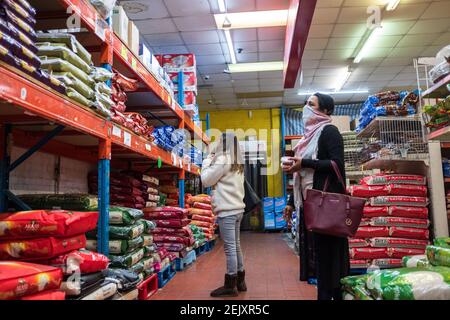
(338, 175)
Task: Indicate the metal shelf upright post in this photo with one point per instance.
(182, 173)
(283, 147)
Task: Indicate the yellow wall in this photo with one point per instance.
(260, 119)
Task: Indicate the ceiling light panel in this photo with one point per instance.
(251, 19)
(256, 67)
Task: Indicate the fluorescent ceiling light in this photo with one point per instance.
(256, 66)
(392, 5)
(333, 92)
(222, 6)
(230, 46)
(342, 79)
(368, 44)
(252, 19)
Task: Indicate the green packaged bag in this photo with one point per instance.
(137, 268)
(431, 283)
(78, 97)
(351, 282)
(149, 272)
(103, 88)
(75, 202)
(118, 247)
(104, 100)
(128, 260)
(148, 263)
(438, 256)
(124, 216)
(62, 51)
(71, 81)
(149, 226)
(148, 239)
(68, 39)
(150, 250)
(126, 232)
(442, 242)
(60, 65)
(418, 261)
(361, 293)
(100, 74)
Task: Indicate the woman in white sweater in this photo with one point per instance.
(223, 170)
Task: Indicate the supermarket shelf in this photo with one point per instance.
(373, 128)
(391, 164)
(292, 137)
(442, 135)
(439, 90)
(445, 145)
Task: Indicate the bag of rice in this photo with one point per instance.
(62, 51)
(68, 39)
(359, 264)
(400, 222)
(119, 247)
(71, 81)
(124, 216)
(60, 65)
(398, 243)
(409, 233)
(368, 253)
(371, 212)
(387, 263)
(408, 212)
(417, 261)
(358, 243)
(438, 256)
(407, 190)
(384, 179)
(370, 232)
(399, 253)
(148, 240)
(128, 260)
(399, 201)
(442, 242)
(366, 191)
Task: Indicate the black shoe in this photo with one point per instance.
(241, 286)
(229, 288)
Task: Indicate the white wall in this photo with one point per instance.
(38, 174)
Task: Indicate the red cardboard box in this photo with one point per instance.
(178, 62)
(189, 98)
(189, 80)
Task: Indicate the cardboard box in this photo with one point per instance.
(269, 220)
(280, 204)
(280, 223)
(189, 98)
(178, 62)
(189, 80)
(269, 204)
(120, 23)
(341, 122)
(145, 56)
(133, 37)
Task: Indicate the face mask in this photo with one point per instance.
(308, 115)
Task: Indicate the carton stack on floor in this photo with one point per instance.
(201, 214)
(273, 213)
(395, 222)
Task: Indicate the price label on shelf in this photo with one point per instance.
(100, 28)
(127, 138)
(117, 132)
(181, 163)
(124, 52)
(174, 159)
(189, 166)
(133, 63)
(148, 147)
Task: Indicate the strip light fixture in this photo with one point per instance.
(252, 19)
(222, 6)
(334, 92)
(392, 5)
(230, 46)
(365, 49)
(342, 79)
(256, 66)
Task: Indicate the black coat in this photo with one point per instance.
(330, 254)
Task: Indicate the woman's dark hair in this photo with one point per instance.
(326, 103)
(235, 166)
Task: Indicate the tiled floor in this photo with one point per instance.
(272, 271)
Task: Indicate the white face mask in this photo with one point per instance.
(308, 115)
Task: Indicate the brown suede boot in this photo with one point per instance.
(241, 286)
(229, 288)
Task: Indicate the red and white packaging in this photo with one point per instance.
(190, 99)
(369, 253)
(366, 191)
(370, 232)
(372, 212)
(204, 206)
(407, 190)
(358, 243)
(400, 222)
(409, 233)
(178, 62)
(387, 263)
(399, 201)
(365, 222)
(384, 179)
(189, 80)
(409, 212)
(399, 253)
(80, 261)
(359, 264)
(398, 243)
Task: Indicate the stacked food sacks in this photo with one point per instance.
(151, 184)
(163, 258)
(65, 58)
(201, 214)
(424, 277)
(169, 191)
(75, 202)
(171, 232)
(18, 41)
(42, 237)
(395, 222)
(199, 236)
(130, 241)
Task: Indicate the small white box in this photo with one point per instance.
(120, 23)
(133, 37)
(145, 55)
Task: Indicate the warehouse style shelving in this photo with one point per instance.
(36, 117)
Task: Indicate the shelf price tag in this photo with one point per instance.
(117, 132)
(148, 147)
(189, 166)
(174, 159)
(100, 28)
(124, 52)
(133, 63)
(181, 163)
(127, 138)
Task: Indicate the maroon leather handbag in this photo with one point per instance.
(332, 214)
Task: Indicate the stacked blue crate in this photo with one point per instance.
(269, 213)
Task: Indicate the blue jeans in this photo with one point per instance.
(230, 233)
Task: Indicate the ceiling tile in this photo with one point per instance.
(200, 37)
(168, 39)
(417, 39)
(309, 72)
(390, 69)
(214, 59)
(240, 6)
(207, 69)
(364, 3)
(329, 3)
(430, 26)
(178, 8)
(406, 12)
(171, 49)
(145, 9)
(195, 23)
(247, 57)
(381, 77)
(437, 9)
(386, 41)
(443, 40)
(374, 61)
(248, 46)
(310, 64)
(353, 14)
(325, 15)
(312, 55)
(343, 43)
(376, 84)
(242, 35)
(271, 56)
(272, 45)
(320, 30)
(330, 72)
(406, 76)
(270, 74)
(244, 76)
(350, 30)
(154, 26)
(338, 54)
(206, 49)
(221, 89)
(273, 87)
(316, 43)
(396, 62)
(246, 83)
(412, 52)
(213, 77)
(272, 33)
(400, 83)
(395, 28)
(269, 82)
(272, 5)
(378, 53)
(330, 63)
(246, 89)
(430, 51)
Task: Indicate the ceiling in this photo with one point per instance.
(416, 28)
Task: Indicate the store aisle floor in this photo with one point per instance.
(272, 272)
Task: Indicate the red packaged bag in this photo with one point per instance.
(201, 223)
(387, 263)
(359, 264)
(172, 247)
(368, 253)
(172, 202)
(370, 212)
(171, 223)
(365, 222)
(82, 261)
(370, 232)
(365, 191)
(204, 206)
(409, 233)
(398, 243)
(400, 222)
(408, 212)
(40, 249)
(202, 199)
(358, 243)
(399, 253)
(47, 295)
(164, 215)
(166, 209)
(384, 179)
(175, 239)
(183, 232)
(407, 190)
(399, 201)
(200, 212)
(203, 218)
(18, 279)
(42, 223)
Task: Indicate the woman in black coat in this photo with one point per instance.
(321, 144)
